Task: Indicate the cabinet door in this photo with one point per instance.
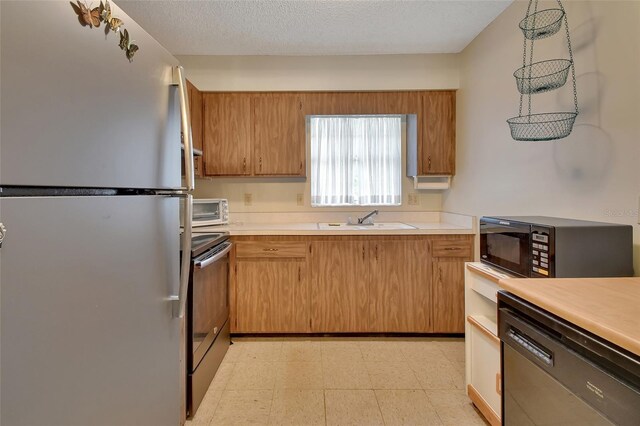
(339, 286)
(279, 134)
(195, 108)
(399, 291)
(272, 296)
(227, 134)
(389, 102)
(332, 103)
(438, 132)
(448, 296)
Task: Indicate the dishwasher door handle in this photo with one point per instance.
(201, 264)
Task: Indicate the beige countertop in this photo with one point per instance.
(313, 228)
(607, 307)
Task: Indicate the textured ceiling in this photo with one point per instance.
(313, 27)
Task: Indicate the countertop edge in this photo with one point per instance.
(553, 306)
(255, 229)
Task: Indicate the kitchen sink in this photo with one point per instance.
(337, 226)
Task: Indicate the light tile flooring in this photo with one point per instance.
(340, 381)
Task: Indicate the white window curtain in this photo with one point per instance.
(356, 160)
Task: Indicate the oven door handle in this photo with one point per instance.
(201, 264)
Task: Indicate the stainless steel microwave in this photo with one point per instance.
(542, 247)
(209, 211)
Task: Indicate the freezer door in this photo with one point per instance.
(88, 336)
(75, 112)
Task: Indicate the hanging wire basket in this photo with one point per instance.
(542, 127)
(542, 76)
(542, 24)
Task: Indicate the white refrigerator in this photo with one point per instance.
(91, 291)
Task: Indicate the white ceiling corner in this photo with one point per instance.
(313, 27)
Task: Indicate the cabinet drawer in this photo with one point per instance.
(451, 248)
(287, 249)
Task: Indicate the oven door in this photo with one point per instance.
(506, 245)
(208, 299)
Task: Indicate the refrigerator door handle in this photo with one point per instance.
(185, 118)
(180, 300)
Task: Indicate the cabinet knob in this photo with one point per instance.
(260, 163)
(429, 163)
(269, 249)
(244, 164)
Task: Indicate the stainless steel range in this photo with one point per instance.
(207, 313)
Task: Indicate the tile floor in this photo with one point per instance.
(340, 381)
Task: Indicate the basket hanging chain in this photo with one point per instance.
(524, 57)
(573, 65)
(535, 9)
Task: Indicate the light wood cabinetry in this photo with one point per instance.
(339, 286)
(195, 110)
(278, 134)
(447, 283)
(271, 288)
(350, 284)
(437, 146)
(227, 134)
(399, 290)
(264, 134)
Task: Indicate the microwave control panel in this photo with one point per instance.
(541, 251)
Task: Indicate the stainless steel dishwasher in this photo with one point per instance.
(555, 373)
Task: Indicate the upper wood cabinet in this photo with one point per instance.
(264, 134)
(345, 103)
(278, 134)
(195, 110)
(227, 134)
(437, 142)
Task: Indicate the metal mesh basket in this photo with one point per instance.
(542, 24)
(542, 76)
(542, 127)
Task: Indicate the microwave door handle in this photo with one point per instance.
(213, 259)
(180, 301)
(185, 119)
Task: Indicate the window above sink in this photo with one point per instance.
(356, 160)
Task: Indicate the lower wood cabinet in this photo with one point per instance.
(399, 290)
(271, 288)
(339, 289)
(447, 283)
(351, 284)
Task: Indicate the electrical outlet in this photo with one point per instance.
(413, 199)
(300, 199)
(248, 198)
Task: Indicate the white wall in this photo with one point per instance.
(594, 173)
(293, 73)
(284, 73)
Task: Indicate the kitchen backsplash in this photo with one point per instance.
(282, 195)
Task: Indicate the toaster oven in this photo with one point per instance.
(210, 211)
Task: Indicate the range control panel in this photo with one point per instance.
(540, 253)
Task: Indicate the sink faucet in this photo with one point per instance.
(361, 220)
